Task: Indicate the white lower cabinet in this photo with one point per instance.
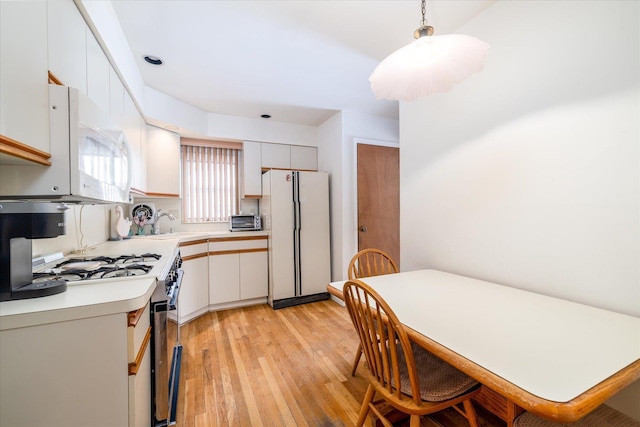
(140, 394)
(253, 275)
(237, 269)
(139, 368)
(71, 373)
(194, 291)
(224, 278)
(222, 273)
(78, 372)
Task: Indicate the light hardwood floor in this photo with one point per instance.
(256, 366)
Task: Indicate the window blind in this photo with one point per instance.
(209, 183)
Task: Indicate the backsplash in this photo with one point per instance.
(90, 225)
(86, 226)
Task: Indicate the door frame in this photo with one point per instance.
(354, 177)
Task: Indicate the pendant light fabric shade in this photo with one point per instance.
(429, 65)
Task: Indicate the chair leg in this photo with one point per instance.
(415, 421)
(357, 360)
(364, 410)
(470, 413)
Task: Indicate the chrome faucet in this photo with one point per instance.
(155, 229)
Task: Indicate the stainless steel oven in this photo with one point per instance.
(166, 350)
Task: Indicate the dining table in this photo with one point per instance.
(556, 358)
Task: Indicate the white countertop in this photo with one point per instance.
(106, 296)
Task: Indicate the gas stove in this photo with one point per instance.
(80, 269)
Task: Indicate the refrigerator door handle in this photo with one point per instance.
(296, 235)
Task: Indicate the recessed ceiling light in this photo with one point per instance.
(266, 116)
(153, 60)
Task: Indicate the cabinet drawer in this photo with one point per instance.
(138, 323)
(231, 244)
(498, 404)
(189, 249)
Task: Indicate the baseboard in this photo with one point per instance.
(288, 302)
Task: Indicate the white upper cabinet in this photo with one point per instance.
(276, 156)
(67, 44)
(283, 156)
(251, 169)
(97, 73)
(163, 160)
(116, 98)
(304, 158)
(131, 127)
(24, 92)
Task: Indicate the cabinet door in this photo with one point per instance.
(24, 100)
(194, 292)
(67, 44)
(131, 128)
(276, 156)
(116, 99)
(253, 275)
(304, 158)
(97, 73)
(81, 376)
(251, 169)
(224, 280)
(163, 162)
(140, 356)
(140, 393)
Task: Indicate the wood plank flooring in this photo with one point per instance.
(256, 366)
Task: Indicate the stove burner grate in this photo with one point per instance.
(104, 260)
(119, 271)
(137, 258)
(110, 267)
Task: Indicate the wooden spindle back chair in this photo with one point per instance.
(371, 262)
(367, 263)
(393, 362)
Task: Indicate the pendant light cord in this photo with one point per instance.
(424, 12)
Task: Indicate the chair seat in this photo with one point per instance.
(439, 381)
(602, 416)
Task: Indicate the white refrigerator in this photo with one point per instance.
(295, 212)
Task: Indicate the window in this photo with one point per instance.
(209, 180)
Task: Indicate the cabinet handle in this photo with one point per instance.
(135, 365)
(363, 228)
(134, 316)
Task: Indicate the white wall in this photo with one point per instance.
(336, 154)
(528, 173)
(86, 226)
(330, 160)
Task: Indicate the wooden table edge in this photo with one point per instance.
(564, 412)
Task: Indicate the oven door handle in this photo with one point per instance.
(175, 290)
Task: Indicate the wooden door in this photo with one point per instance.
(379, 199)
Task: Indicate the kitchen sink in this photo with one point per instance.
(157, 236)
(163, 236)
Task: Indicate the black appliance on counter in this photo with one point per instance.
(20, 222)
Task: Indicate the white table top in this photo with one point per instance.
(552, 348)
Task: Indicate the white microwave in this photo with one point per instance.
(90, 156)
(245, 223)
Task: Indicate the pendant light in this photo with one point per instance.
(430, 64)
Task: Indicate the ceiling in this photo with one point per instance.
(298, 61)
